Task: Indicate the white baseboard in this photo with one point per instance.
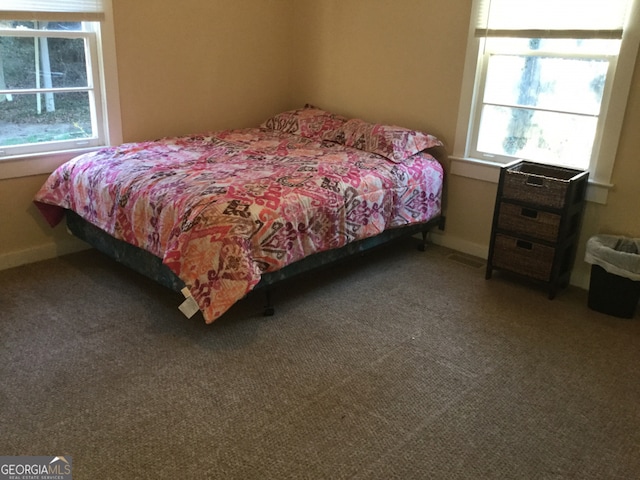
(39, 253)
(579, 278)
(52, 250)
(463, 246)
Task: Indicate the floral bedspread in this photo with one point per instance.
(221, 208)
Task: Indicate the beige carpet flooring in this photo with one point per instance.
(397, 365)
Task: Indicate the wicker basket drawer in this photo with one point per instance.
(538, 184)
(526, 258)
(529, 221)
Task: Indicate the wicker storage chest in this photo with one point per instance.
(521, 256)
(528, 221)
(536, 222)
(542, 185)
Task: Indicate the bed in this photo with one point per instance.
(219, 214)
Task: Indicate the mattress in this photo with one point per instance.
(222, 208)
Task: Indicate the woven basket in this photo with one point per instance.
(529, 221)
(538, 184)
(526, 258)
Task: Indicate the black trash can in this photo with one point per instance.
(614, 287)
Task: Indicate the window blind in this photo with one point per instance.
(552, 18)
(52, 10)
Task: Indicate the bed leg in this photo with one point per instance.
(268, 308)
(423, 246)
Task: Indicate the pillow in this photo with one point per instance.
(395, 143)
(309, 122)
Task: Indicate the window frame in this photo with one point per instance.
(88, 34)
(487, 52)
(466, 161)
(104, 79)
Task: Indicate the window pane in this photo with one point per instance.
(583, 46)
(562, 84)
(18, 62)
(29, 62)
(561, 138)
(64, 26)
(30, 25)
(64, 116)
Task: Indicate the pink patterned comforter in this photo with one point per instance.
(224, 207)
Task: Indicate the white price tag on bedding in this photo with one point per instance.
(189, 307)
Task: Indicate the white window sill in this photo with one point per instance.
(37, 164)
(597, 192)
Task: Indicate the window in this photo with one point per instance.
(53, 81)
(547, 81)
